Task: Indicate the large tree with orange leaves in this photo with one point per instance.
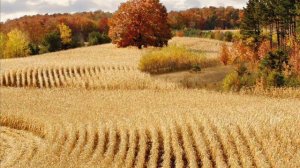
(140, 23)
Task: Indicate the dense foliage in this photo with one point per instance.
(98, 38)
(269, 48)
(140, 23)
(208, 18)
(48, 33)
(271, 19)
(16, 44)
(38, 26)
(51, 42)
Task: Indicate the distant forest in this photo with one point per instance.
(210, 18)
(38, 26)
(82, 24)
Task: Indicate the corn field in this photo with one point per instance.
(90, 77)
(73, 114)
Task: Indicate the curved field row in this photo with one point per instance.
(184, 142)
(103, 77)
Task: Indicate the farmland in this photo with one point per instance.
(92, 107)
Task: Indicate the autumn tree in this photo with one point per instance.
(225, 54)
(140, 23)
(103, 25)
(207, 18)
(16, 45)
(65, 34)
(2, 44)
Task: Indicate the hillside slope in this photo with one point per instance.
(91, 107)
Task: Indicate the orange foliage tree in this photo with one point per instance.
(294, 46)
(264, 49)
(225, 54)
(140, 23)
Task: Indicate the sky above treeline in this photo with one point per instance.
(11, 9)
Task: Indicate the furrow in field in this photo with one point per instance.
(141, 150)
(110, 147)
(100, 143)
(132, 151)
(122, 148)
(202, 144)
(243, 151)
(213, 144)
(180, 160)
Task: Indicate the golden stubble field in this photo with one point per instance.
(91, 107)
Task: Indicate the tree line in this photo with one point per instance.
(271, 19)
(207, 18)
(37, 26)
(268, 53)
(48, 33)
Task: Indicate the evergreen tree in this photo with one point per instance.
(51, 43)
(297, 19)
(279, 15)
(251, 23)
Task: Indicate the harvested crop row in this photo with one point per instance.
(184, 142)
(95, 77)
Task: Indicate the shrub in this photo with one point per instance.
(228, 36)
(98, 38)
(237, 36)
(241, 53)
(274, 61)
(294, 52)
(51, 43)
(16, 45)
(238, 79)
(34, 49)
(196, 68)
(218, 35)
(275, 79)
(232, 82)
(292, 81)
(94, 38)
(264, 49)
(77, 41)
(225, 55)
(207, 34)
(173, 58)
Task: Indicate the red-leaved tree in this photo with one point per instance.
(140, 23)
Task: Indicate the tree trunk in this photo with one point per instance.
(271, 35)
(278, 33)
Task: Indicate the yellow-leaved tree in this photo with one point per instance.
(65, 34)
(16, 44)
(2, 44)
